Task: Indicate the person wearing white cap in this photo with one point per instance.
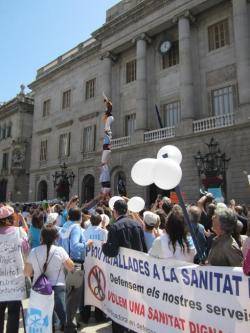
(105, 221)
(51, 219)
(151, 221)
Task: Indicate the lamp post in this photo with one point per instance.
(212, 166)
(62, 181)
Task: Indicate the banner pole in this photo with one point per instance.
(200, 253)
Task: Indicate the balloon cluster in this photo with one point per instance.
(135, 204)
(164, 171)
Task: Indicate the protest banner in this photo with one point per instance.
(151, 295)
(12, 282)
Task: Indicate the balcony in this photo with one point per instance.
(210, 123)
(121, 142)
(160, 134)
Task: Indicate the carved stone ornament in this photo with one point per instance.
(18, 158)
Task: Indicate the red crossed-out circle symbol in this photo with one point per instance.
(97, 283)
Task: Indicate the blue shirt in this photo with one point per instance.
(149, 238)
(95, 233)
(64, 217)
(34, 236)
(73, 240)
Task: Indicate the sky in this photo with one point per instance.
(34, 32)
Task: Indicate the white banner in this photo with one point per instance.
(151, 295)
(12, 282)
(39, 313)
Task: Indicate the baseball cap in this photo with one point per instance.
(51, 218)
(150, 219)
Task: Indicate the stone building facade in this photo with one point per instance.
(188, 57)
(16, 120)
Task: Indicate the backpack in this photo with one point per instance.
(43, 285)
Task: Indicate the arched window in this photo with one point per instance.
(3, 190)
(120, 183)
(62, 190)
(153, 191)
(88, 188)
(42, 192)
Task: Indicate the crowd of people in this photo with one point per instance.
(53, 239)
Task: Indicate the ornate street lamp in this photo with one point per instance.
(62, 181)
(212, 166)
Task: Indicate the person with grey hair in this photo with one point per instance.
(225, 250)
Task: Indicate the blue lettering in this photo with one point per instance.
(227, 285)
(237, 279)
(203, 280)
(185, 277)
(115, 261)
(155, 272)
(135, 265)
(146, 267)
(218, 276)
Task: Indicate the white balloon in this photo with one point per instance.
(142, 171)
(172, 152)
(136, 204)
(167, 174)
(113, 200)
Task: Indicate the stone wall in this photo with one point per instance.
(191, 82)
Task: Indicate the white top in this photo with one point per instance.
(96, 233)
(105, 174)
(108, 123)
(57, 257)
(162, 249)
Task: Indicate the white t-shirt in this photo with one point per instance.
(57, 256)
(108, 123)
(161, 248)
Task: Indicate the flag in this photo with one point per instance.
(158, 116)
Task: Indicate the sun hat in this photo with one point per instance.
(51, 218)
(6, 211)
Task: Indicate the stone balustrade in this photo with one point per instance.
(121, 142)
(210, 123)
(159, 134)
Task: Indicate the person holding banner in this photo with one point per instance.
(12, 282)
(124, 232)
(96, 233)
